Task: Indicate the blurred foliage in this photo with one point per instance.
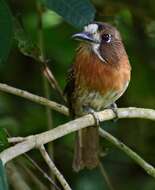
(136, 22)
(83, 11)
(3, 181)
(5, 31)
(3, 140)
(24, 43)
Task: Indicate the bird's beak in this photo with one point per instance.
(84, 36)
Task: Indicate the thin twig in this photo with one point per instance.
(54, 169)
(34, 98)
(49, 126)
(15, 178)
(133, 155)
(20, 139)
(34, 141)
(42, 171)
(106, 177)
(47, 75)
(43, 61)
(50, 77)
(33, 175)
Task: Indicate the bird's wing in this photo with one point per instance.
(69, 89)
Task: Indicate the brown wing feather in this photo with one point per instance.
(69, 89)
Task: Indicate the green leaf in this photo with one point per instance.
(24, 43)
(76, 12)
(3, 180)
(3, 140)
(6, 30)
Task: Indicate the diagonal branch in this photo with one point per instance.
(133, 155)
(38, 140)
(54, 169)
(34, 98)
(42, 59)
(106, 177)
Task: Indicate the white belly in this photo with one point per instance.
(95, 100)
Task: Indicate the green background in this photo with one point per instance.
(136, 23)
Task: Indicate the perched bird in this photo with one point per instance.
(99, 76)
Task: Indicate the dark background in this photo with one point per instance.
(136, 22)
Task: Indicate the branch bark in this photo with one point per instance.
(38, 140)
(34, 98)
(54, 169)
(15, 177)
(133, 155)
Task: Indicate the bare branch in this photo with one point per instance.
(54, 169)
(42, 59)
(34, 98)
(15, 177)
(16, 139)
(133, 155)
(50, 77)
(36, 141)
(42, 172)
(47, 74)
(106, 177)
(20, 139)
(33, 176)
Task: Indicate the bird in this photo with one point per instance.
(99, 75)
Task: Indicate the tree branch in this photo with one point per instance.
(38, 140)
(106, 177)
(45, 175)
(133, 155)
(15, 177)
(34, 98)
(54, 169)
(48, 75)
(43, 61)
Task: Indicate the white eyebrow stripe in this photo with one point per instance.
(92, 28)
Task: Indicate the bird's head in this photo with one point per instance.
(104, 39)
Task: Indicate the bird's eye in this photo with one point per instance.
(107, 38)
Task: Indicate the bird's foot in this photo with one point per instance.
(93, 113)
(113, 106)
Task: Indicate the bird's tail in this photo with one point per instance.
(86, 149)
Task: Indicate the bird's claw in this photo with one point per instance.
(93, 113)
(113, 106)
(96, 118)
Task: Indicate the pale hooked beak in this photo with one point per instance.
(84, 36)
